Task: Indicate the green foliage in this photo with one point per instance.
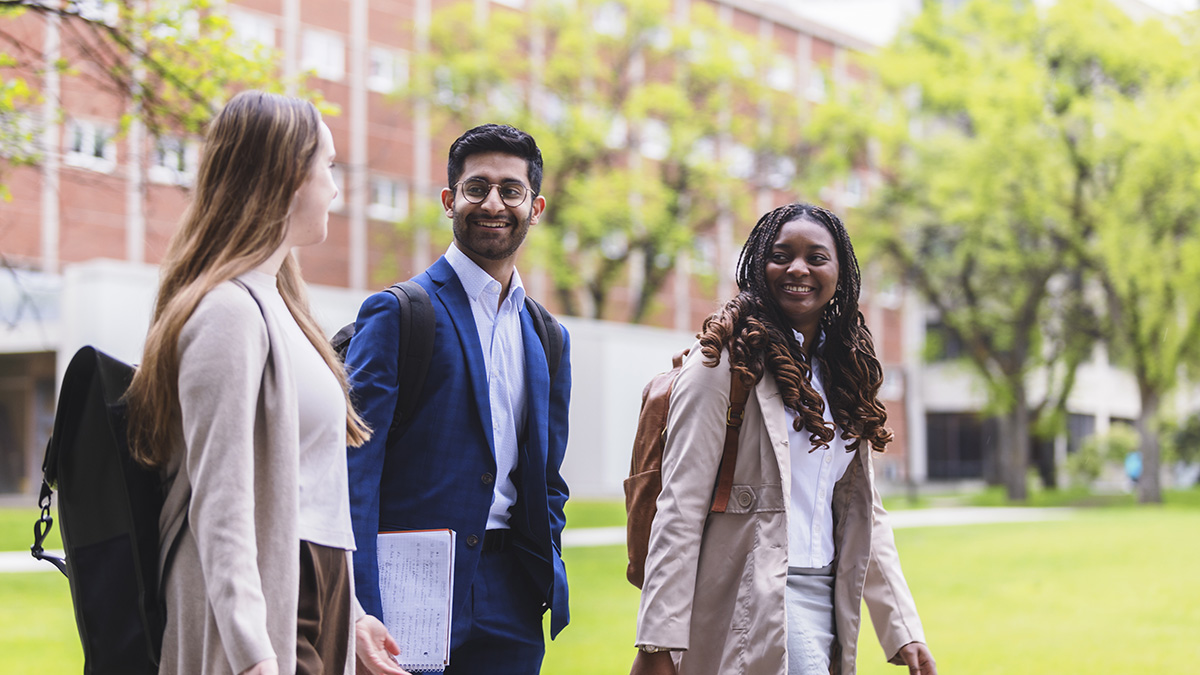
(629, 108)
(1182, 440)
(1039, 167)
(174, 63)
(1086, 464)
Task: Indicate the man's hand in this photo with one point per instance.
(658, 663)
(918, 659)
(264, 667)
(375, 648)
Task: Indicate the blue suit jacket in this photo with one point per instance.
(437, 471)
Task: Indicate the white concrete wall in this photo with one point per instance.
(610, 364)
(108, 304)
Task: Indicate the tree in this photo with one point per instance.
(1039, 171)
(172, 62)
(650, 127)
(1146, 251)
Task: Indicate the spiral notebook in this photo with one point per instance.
(416, 581)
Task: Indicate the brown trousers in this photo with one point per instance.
(323, 619)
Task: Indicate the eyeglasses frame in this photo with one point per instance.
(524, 196)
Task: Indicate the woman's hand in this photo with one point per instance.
(375, 648)
(918, 659)
(658, 663)
(265, 667)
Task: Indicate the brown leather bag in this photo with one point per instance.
(645, 468)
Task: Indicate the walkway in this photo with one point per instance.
(22, 561)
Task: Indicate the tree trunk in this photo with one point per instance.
(1014, 448)
(1149, 489)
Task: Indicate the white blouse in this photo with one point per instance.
(324, 489)
(810, 513)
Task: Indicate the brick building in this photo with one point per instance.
(98, 194)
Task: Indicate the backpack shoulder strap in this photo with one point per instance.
(738, 393)
(415, 348)
(548, 331)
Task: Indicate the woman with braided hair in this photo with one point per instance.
(775, 583)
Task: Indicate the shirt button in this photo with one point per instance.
(821, 494)
(487, 479)
(744, 499)
(472, 540)
(828, 459)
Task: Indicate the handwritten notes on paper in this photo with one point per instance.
(416, 581)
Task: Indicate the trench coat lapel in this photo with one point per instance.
(770, 404)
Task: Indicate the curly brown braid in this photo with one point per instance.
(758, 336)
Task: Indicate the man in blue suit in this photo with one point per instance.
(482, 450)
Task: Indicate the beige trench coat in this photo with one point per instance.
(715, 582)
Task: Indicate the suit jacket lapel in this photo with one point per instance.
(458, 306)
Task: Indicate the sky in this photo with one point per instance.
(876, 21)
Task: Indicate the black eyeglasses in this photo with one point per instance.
(475, 190)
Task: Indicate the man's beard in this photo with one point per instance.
(475, 240)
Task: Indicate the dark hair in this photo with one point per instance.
(495, 138)
(753, 328)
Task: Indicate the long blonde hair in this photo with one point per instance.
(258, 151)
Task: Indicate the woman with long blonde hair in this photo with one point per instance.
(241, 404)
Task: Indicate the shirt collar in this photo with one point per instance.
(476, 281)
(800, 338)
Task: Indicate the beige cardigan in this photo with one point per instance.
(715, 583)
(229, 522)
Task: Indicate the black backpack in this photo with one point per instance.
(417, 329)
(108, 507)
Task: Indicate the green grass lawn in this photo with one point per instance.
(1112, 590)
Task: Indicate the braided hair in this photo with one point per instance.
(753, 328)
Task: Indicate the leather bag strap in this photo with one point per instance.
(738, 393)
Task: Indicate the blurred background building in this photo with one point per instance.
(86, 223)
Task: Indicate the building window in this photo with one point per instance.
(1079, 429)
(742, 58)
(339, 180)
(609, 20)
(780, 172)
(507, 100)
(618, 133)
(252, 30)
(703, 151)
(175, 20)
(782, 75)
(389, 199)
(704, 256)
(324, 53)
(173, 161)
(739, 161)
(942, 343)
(655, 140)
(552, 109)
(853, 194)
(958, 444)
(91, 146)
(387, 69)
(816, 90)
(100, 11)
